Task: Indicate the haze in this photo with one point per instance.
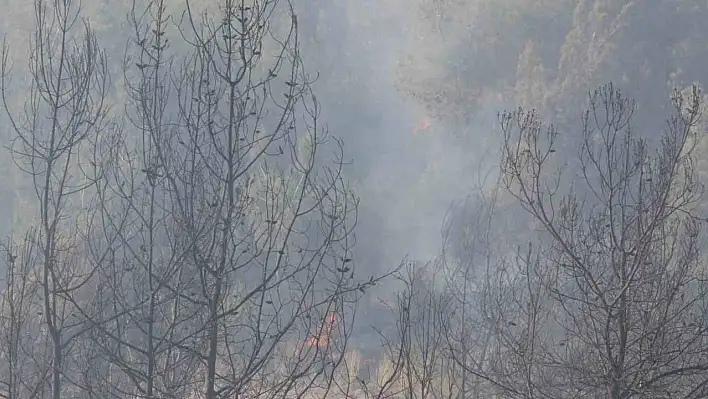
(354, 199)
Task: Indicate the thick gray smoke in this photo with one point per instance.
(409, 167)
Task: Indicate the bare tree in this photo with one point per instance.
(64, 108)
(422, 311)
(611, 302)
(414, 361)
(204, 252)
(476, 238)
(148, 344)
(21, 376)
(266, 222)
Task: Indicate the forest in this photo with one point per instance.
(371, 199)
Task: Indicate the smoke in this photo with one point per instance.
(408, 167)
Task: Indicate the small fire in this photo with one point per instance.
(422, 126)
(322, 341)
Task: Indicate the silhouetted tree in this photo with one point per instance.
(63, 112)
(611, 301)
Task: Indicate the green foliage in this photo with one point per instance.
(549, 54)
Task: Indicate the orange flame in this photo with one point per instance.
(422, 126)
(322, 340)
